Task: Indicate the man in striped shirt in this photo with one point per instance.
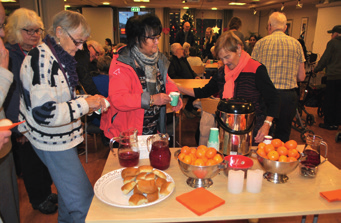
(284, 58)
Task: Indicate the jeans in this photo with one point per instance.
(75, 192)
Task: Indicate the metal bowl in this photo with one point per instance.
(276, 171)
(199, 176)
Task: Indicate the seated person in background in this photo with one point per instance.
(117, 47)
(179, 68)
(193, 58)
(242, 77)
(252, 41)
(186, 47)
(91, 51)
(207, 43)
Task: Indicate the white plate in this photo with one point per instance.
(108, 190)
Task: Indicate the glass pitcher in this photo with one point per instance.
(312, 153)
(159, 153)
(128, 149)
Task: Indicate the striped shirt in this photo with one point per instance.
(282, 55)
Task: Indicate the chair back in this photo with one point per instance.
(209, 104)
(199, 70)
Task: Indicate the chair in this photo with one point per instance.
(199, 70)
(90, 129)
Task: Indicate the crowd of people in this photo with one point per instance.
(50, 80)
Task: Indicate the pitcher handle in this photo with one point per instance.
(148, 143)
(326, 146)
(112, 140)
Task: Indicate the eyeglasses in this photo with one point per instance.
(154, 38)
(2, 26)
(73, 40)
(97, 53)
(31, 32)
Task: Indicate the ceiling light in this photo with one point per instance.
(8, 1)
(282, 8)
(254, 11)
(106, 3)
(141, 0)
(142, 6)
(185, 7)
(237, 3)
(214, 8)
(299, 5)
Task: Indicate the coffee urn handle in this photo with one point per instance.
(227, 129)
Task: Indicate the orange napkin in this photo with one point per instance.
(200, 201)
(333, 195)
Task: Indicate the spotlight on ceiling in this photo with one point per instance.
(254, 11)
(282, 8)
(299, 5)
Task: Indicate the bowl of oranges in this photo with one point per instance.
(200, 164)
(278, 159)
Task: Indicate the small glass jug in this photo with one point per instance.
(128, 149)
(311, 153)
(159, 153)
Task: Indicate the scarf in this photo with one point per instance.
(149, 66)
(68, 61)
(231, 75)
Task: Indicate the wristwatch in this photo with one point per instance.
(269, 122)
(151, 102)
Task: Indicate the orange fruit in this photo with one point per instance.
(202, 147)
(187, 159)
(261, 145)
(185, 150)
(262, 153)
(199, 162)
(193, 156)
(291, 144)
(293, 153)
(276, 143)
(181, 156)
(210, 152)
(204, 159)
(292, 159)
(210, 162)
(200, 152)
(283, 158)
(268, 148)
(217, 158)
(282, 150)
(193, 150)
(273, 155)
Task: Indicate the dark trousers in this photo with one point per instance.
(189, 106)
(332, 103)
(36, 177)
(289, 103)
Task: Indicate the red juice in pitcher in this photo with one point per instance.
(313, 158)
(128, 158)
(160, 155)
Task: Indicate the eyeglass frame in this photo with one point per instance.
(154, 38)
(73, 40)
(97, 53)
(29, 32)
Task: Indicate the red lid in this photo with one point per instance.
(239, 161)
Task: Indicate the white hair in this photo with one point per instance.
(174, 46)
(278, 20)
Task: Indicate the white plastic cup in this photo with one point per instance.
(107, 104)
(254, 181)
(235, 181)
(174, 96)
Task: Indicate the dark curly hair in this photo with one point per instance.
(138, 27)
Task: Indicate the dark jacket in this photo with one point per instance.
(12, 100)
(207, 51)
(180, 38)
(83, 70)
(176, 71)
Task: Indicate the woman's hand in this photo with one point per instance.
(96, 102)
(263, 131)
(4, 137)
(179, 106)
(161, 99)
(22, 140)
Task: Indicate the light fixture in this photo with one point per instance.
(106, 3)
(141, 0)
(299, 5)
(185, 7)
(214, 8)
(237, 3)
(282, 8)
(254, 11)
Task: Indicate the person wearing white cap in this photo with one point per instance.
(331, 60)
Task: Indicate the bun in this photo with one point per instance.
(153, 196)
(150, 176)
(147, 186)
(128, 179)
(137, 199)
(129, 172)
(141, 176)
(146, 169)
(136, 190)
(166, 188)
(159, 174)
(159, 182)
(126, 188)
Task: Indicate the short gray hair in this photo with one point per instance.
(278, 20)
(174, 46)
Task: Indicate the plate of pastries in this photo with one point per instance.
(134, 187)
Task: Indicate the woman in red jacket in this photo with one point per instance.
(138, 82)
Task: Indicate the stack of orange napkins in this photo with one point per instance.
(333, 195)
(200, 201)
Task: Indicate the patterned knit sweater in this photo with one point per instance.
(52, 116)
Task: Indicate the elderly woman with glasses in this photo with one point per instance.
(23, 32)
(138, 82)
(52, 111)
